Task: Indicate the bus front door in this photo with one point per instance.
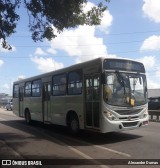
(21, 96)
(92, 101)
(46, 102)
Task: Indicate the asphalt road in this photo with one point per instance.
(39, 142)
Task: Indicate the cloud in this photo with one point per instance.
(152, 73)
(39, 51)
(51, 51)
(158, 73)
(148, 61)
(151, 9)
(46, 64)
(6, 86)
(21, 77)
(5, 50)
(80, 43)
(1, 62)
(151, 43)
(106, 22)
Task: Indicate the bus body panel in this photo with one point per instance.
(58, 110)
(16, 106)
(36, 108)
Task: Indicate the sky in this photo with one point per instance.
(129, 29)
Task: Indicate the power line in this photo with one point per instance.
(84, 55)
(80, 45)
(83, 45)
(101, 35)
(138, 32)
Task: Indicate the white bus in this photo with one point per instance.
(103, 95)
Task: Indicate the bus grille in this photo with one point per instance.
(128, 112)
(130, 124)
(131, 118)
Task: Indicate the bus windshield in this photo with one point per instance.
(125, 89)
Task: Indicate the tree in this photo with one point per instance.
(46, 16)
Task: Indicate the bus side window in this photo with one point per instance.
(75, 82)
(59, 85)
(36, 88)
(16, 91)
(27, 90)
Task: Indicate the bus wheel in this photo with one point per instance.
(74, 124)
(27, 117)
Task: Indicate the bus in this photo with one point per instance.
(102, 95)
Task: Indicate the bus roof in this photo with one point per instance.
(73, 67)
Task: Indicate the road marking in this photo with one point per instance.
(3, 119)
(101, 147)
(74, 150)
(86, 156)
(113, 151)
(96, 146)
(78, 152)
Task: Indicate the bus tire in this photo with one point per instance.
(27, 117)
(73, 124)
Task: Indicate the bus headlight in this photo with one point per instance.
(144, 115)
(110, 116)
